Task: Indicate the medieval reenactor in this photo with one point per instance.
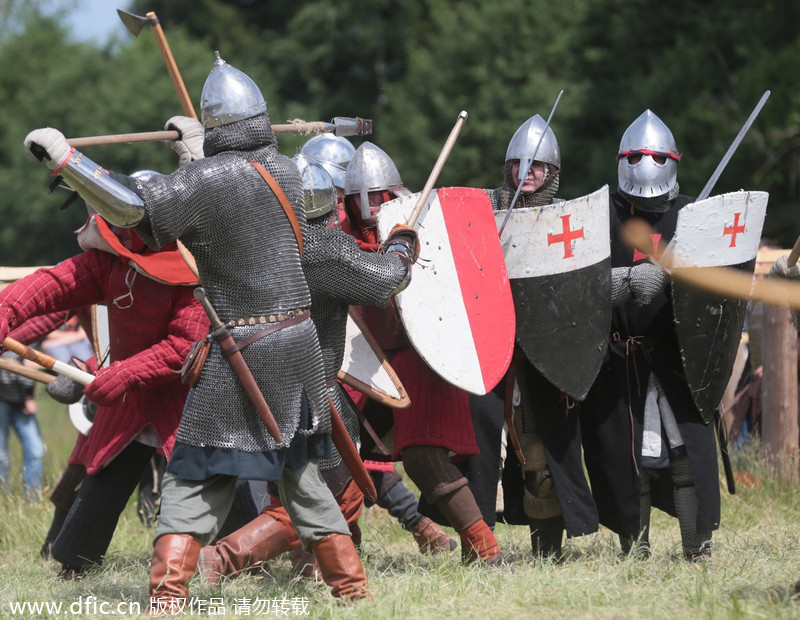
(259, 409)
(339, 274)
(645, 441)
(437, 428)
(562, 304)
(153, 321)
(334, 154)
(546, 488)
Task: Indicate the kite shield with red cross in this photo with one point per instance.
(721, 231)
(559, 261)
(457, 311)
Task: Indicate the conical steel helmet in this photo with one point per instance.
(332, 152)
(320, 192)
(523, 144)
(370, 170)
(229, 96)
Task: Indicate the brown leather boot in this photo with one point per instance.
(174, 563)
(304, 563)
(480, 544)
(248, 547)
(431, 538)
(341, 567)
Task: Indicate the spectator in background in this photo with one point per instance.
(68, 341)
(18, 411)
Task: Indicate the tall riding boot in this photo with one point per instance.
(341, 567)
(174, 563)
(260, 540)
(546, 537)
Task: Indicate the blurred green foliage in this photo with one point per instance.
(412, 66)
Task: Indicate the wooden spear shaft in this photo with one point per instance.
(794, 254)
(47, 361)
(24, 371)
(312, 127)
(437, 168)
(723, 281)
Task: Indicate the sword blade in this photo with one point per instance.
(732, 148)
(523, 176)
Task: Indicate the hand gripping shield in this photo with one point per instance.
(721, 231)
(458, 312)
(559, 262)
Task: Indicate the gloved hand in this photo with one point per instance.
(647, 281)
(109, 385)
(48, 145)
(781, 268)
(403, 240)
(189, 146)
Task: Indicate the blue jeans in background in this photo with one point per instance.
(27, 429)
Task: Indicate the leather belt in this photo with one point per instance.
(271, 318)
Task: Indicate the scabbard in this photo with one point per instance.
(248, 382)
(508, 404)
(722, 436)
(347, 449)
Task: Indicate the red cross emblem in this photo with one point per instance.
(566, 236)
(655, 239)
(733, 230)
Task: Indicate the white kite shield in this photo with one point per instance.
(721, 231)
(458, 311)
(366, 368)
(559, 262)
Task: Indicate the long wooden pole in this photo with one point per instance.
(723, 281)
(437, 168)
(24, 371)
(47, 361)
(297, 127)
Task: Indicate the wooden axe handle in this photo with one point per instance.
(172, 68)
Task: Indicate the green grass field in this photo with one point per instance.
(752, 574)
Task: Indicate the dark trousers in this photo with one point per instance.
(90, 524)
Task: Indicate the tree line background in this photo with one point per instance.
(412, 66)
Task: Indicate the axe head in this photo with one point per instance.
(135, 23)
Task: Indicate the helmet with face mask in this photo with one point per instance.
(372, 170)
(229, 96)
(320, 192)
(332, 152)
(648, 158)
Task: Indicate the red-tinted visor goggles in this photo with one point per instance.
(660, 157)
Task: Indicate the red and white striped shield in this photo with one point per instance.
(457, 311)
